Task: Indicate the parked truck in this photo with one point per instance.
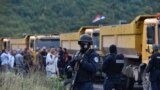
(39, 41)
(32, 42)
(135, 41)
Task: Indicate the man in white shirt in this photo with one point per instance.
(11, 59)
(51, 63)
(5, 60)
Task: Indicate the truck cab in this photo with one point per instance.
(6, 43)
(151, 36)
(39, 41)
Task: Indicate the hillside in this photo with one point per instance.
(48, 16)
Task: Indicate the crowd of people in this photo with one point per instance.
(50, 61)
(15, 60)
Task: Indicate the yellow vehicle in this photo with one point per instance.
(5, 43)
(39, 41)
(15, 43)
(32, 42)
(134, 40)
(1, 44)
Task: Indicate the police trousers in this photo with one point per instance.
(155, 80)
(114, 82)
(83, 86)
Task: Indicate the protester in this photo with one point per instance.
(5, 61)
(51, 63)
(19, 62)
(39, 60)
(11, 59)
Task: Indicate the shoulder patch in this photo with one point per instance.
(158, 57)
(96, 59)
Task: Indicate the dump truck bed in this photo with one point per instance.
(127, 37)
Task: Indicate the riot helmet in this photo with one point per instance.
(85, 38)
(113, 49)
(85, 42)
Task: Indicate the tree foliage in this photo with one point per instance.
(49, 16)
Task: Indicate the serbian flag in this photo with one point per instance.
(97, 18)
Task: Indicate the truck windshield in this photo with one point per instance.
(95, 39)
(151, 34)
(49, 43)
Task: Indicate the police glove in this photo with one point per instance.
(77, 59)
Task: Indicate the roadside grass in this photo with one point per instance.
(37, 81)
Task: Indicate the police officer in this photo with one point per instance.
(87, 64)
(153, 69)
(112, 67)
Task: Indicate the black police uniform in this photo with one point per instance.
(87, 65)
(86, 72)
(154, 69)
(112, 67)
